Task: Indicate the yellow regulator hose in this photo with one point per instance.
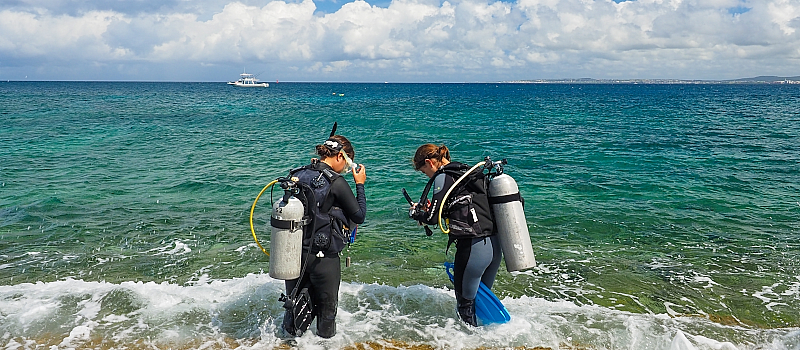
(252, 209)
(444, 200)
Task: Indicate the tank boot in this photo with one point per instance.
(466, 310)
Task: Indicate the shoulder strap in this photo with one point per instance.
(454, 169)
(330, 174)
(304, 167)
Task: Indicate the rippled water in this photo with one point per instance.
(652, 208)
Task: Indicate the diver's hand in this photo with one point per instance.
(360, 174)
(417, 211)
(413, 212)
(423, 206)
(420, 206)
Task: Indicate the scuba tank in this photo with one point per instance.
(286, 243)
(509, 219)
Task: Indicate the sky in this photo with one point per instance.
(397, 40)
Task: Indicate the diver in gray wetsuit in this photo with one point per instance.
(478, 253)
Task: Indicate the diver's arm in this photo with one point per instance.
(361, 215)
(441, 183)
(354, 207)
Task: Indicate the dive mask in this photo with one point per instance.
(351, 166)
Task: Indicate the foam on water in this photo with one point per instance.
(75, 313)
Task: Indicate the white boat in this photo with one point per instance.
(247, 80)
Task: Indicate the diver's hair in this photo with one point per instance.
(326, 152)
(430, 151)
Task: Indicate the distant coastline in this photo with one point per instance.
(754, 80)
(767, 79)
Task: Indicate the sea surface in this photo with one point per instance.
(662, 216)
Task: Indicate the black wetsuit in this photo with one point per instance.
(323, 274)
(477, 259)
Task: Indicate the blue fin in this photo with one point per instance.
(488, 307)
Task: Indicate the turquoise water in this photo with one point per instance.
(654, 210)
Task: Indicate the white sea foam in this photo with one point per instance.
(793, 289)
(765, 293)
(707, 343)
(244, 248)
(180, 249)
(680, 342)
(247, 309)
(705, 279)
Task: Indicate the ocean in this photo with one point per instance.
(661, 216)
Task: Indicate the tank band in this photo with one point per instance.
(286, 224)
(505, 199)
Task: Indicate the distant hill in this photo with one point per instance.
(766, 79)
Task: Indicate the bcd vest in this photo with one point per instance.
(467, 206)
(327, 231)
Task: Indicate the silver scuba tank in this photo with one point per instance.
(512, 229)
(286, 241)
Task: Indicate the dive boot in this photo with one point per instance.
(466, 310)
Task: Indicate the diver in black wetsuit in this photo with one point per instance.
(478, 253)
(338, 210)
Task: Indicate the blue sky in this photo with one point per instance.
(397, 40)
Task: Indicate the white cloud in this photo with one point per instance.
(31, 35)
(786, 14)
(411, 40)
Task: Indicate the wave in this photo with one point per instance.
(244, 312)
